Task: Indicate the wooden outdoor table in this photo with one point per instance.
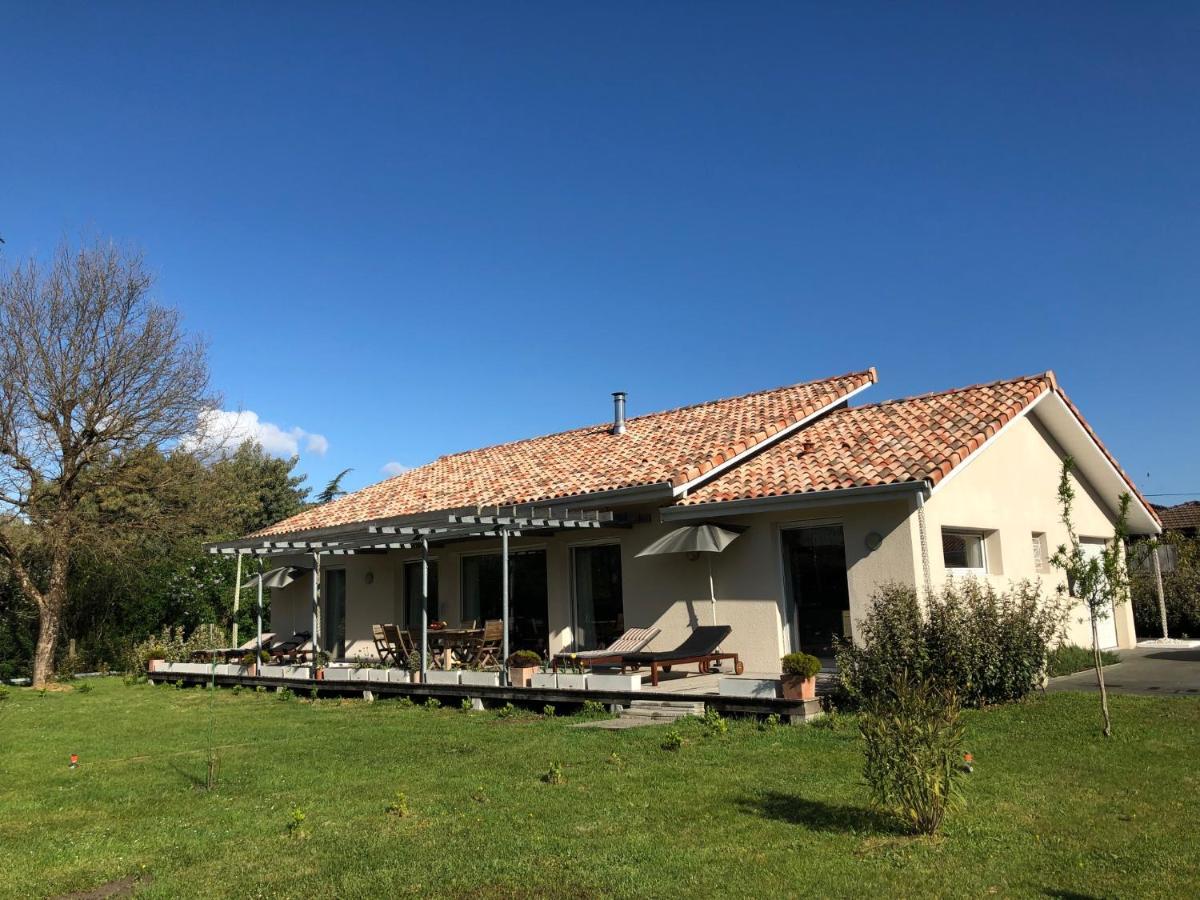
(450, 638)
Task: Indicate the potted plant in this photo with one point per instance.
(320, 660)
(412, 662)
(800, 676)
(521, 666)
(249, 664)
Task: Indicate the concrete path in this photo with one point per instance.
(1150, 671)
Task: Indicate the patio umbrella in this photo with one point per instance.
(276, 578)
(706, 539)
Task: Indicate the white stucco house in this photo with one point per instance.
(833, 496)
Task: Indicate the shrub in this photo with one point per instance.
(4, 693)
(986, 647)
(296, 819)
(548, 711)
(673, 740)
(1181, 587)
(770, 723)
(524, 659)
(507, 711)
(803, 665)
(714, 724)
(555, 774)
(399, 806)
(84, 688)
(286, 694)
(433, 703)
(913, 746)
(593, 709)
(465, 706)
(1067, 659)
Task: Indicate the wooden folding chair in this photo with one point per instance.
(383, 645)
(484, 651)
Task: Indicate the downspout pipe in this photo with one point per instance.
(924, 542)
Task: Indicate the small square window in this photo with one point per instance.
(963, 551)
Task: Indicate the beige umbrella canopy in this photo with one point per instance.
(706, 539)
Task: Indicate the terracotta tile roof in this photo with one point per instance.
(668, 447)
(919, 438)
(1184, 515)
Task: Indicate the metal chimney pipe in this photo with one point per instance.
(618, 412)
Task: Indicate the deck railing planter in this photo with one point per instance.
(481, 679)
(442, 676)
(543, 680)
(292, 672)
(572, 681)
(613, 681)
(340, 673)
(399, 676)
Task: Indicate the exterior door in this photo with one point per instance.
(599, 607)
(333, 625)
(815, 562)
(528, 606)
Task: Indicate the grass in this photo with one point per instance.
(1067, 659)
(343, 798)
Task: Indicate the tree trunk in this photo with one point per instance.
(1099, 662)
(50, 606)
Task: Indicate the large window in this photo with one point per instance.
(529, 623)
(963, 552)
(412, 593)
(599, 609)
(333, 613)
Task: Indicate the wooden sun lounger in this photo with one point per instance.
(633, 640)
(702, 647)
(235, 652)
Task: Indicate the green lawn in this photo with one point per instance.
(1052, 808)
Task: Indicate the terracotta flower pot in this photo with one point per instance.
(155, 665)
(797, 688)
(520, 676)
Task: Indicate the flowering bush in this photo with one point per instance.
(171, 646)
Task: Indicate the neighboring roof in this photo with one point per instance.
(901, 441)
(1185, 515)
(668, 448)
(912, 440)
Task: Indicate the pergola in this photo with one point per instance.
(450, 527)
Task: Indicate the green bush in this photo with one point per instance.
(1067, 659)
(673, 740)
(524, 659)
(4, 693)
(555, 774)
(1181, 587)
(803, 665)
(986, 647)
(913, 750)
(714, 724)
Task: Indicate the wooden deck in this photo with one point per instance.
(674, 687)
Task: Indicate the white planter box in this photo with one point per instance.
(614, 682)
(271, 671)
(571, 682)
(733, 686)
(399, 676)
(441, 676)
(377, 675)
(360, 674)
(298, 672)
(544, 680)
(181, 668)
(230, 669)
(481, 679)
(341, 674)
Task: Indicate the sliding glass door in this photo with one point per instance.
(412, 593)
(529, 620)
(815, 558)
(599, 606)
(333, 625)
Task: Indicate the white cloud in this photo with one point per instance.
(222, 431)
(393, 468)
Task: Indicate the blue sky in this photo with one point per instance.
(416, 229)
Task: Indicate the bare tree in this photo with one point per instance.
(1101, 582)
(92, 370)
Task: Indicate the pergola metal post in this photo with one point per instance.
(504, 601)
(424, 607)
(237, 597)
(258, 652)
(316, 605)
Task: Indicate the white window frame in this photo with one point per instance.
(981, 536)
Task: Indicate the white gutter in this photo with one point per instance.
(684, 489)
(867, 493)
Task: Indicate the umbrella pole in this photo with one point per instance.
(712, 592)
(258, 653)
(424, 608)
